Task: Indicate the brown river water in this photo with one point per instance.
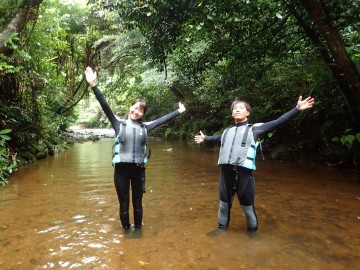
(62, 213)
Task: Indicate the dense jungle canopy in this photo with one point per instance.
(203, 53)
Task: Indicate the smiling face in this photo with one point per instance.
(240, 111)
(136, 111)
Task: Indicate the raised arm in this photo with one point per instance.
(91, 77)
(286, 117)
(181, 108)
(305, 104)
(158, 122)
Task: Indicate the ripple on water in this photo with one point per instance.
(64, 214)
(95, 245)
(78, 216)
(49, 229)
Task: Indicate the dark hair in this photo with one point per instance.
(142, 104)
(237, 101)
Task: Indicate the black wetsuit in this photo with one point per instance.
(240, 180)
(127, 174)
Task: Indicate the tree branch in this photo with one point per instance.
(18, 23)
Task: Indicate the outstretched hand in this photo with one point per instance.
(90, 76)
(181, 107)
(307, 103)
(199, 138)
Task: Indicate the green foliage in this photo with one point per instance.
(19, 120)
(6, 68)
(42, 70)
(7, 162)
(12, 40)
(350, 139)
(216, 51)
(7, 11)
(204, 53)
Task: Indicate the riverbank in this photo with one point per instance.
(39, 149)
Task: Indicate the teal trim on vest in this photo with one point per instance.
(134, 153)
(238, 147)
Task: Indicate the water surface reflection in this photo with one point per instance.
(62, 213)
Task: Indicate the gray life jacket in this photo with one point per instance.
(238, 147)
(130, 143)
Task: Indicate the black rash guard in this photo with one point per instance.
(115, 122)
(128, 175)
(240, 180)
(260, 128)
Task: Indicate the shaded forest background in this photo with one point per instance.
(203, 53)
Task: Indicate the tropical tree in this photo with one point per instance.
(257, 33)
(264, 51)
(332, 26)
(41, 69)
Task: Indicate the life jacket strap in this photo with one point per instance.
(121, 138)
(246, 133)
(122, 133)
(225, 133)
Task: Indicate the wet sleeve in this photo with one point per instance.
(158, 122)
(214, 138)
(105, 106)
(259, 129)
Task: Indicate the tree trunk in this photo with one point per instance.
(338, 52)
(9, 85)
(324, 52)
(18, 23)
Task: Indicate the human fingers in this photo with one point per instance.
(197, 139)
